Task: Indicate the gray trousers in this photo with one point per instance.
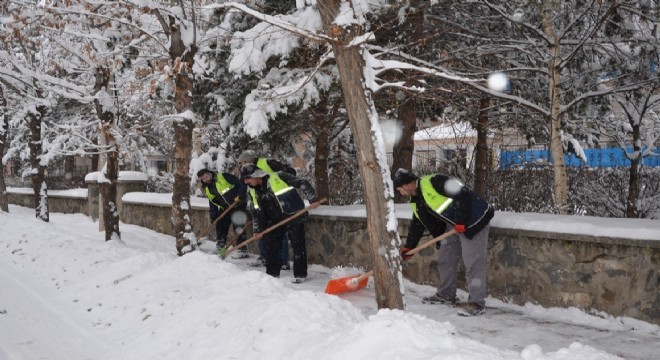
(473, 251)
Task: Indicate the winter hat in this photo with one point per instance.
(202, 172)
(247, 155)
(402, 177)
(251, 171)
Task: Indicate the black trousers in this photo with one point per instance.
(273, 245)
(296, 234)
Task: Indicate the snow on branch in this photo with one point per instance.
(22, 78)
(153, 36)
(186, 115)
(311, 34)
(252, 48)
(277, 91)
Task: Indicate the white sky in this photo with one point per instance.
(67, 294)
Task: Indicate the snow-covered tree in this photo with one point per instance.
(88, 46)
(636, 132)
(166, 34)
(24, 69)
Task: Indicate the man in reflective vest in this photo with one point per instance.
(274, 198)
(439, 202)
(269, 166)
(222, 189)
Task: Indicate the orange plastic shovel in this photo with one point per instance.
(355, 282)
(347, 284)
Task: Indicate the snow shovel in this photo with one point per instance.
(353, 283)
(208, 228)
(224, 254)
(347, 284)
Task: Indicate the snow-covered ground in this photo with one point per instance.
(67, 294)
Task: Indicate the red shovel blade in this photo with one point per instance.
(346, 284)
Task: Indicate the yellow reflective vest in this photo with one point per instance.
(222, 185)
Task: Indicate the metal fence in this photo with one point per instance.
(596, 158)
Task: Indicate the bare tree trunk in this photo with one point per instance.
(402, 153)
(321, 158)
(4, 127)
(182, 60)
(633, 180)
(560, 181)
(324, 122)
(481, 164)
(38, 172)
(357, 98)
(108, 187)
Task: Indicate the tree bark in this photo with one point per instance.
(402, 153)
(632, 211)
(560, 181)
(4, 127)
(361, 112)
(324, 122)
(481, 164)
(182, 59)
(108, 187)
(38, 172)
(321, 157)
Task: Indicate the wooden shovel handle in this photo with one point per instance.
(273, 227)
(235, 238)
(431, 242)
(208, 228)
(363, 276)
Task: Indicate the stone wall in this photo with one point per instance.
(56, 203)
(159, 216)
(618, 276)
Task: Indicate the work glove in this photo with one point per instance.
(460, 228)
(405, 250)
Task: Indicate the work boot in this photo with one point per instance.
(439, 299)
(259, 262)
(470, 309)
